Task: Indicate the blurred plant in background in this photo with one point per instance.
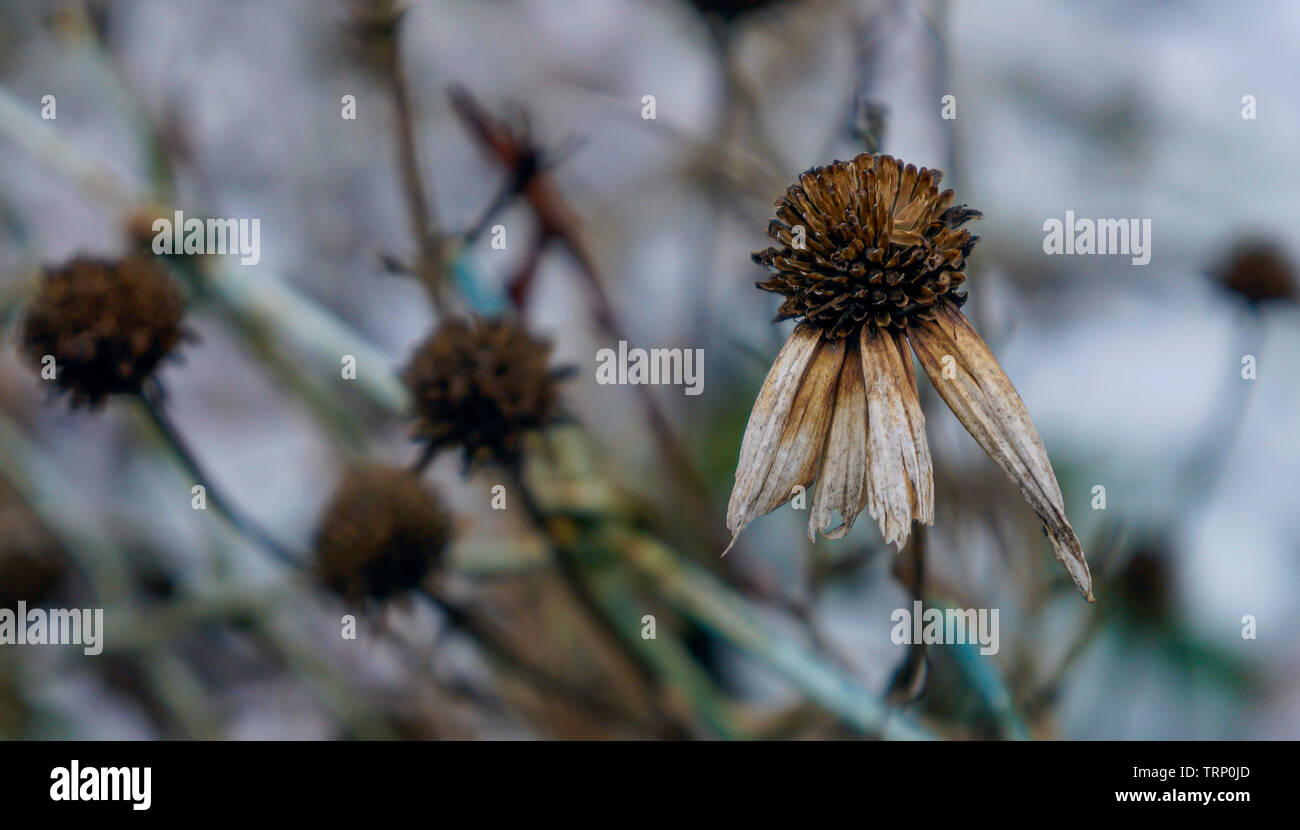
(522, 184)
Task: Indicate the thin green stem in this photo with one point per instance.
(571, 573)
(716, 607)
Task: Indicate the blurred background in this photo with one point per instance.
(531, 115)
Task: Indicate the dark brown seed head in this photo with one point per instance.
(481, 385)
(382, 532)
(729, 10)
(867, 242)
(106, 323)
(1258, 272)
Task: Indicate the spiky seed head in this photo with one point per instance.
(107, 323)
(482, 385)
(1258, 272)
(381, 533)
(869, 241)
(730, 10)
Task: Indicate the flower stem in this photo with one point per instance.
(570, 571)
(496, 645)
(158, 416)
(429, 263)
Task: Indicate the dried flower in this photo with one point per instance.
(107, 324)
(382, 532)
(1258, 272)
(729, 10)
(871, 258)
(482, 385)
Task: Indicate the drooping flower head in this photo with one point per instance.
(107, 324)
(482, 385)
(872, 257)
(381, 533)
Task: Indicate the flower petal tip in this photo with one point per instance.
(731, 544)
(1069, 552)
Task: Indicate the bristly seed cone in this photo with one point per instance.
(1258, 271)
(880, 245)
(482, 385)
(381, 534)
(108, 324)
(730, 10)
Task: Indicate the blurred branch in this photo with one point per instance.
(91, 175)
(56, 501)
(75, 25)
(597, 607)
(171, 436)
(557, 223)
(266, 310)
(496, 645)
(182, 692)
(269, 305)
(714, 605)
(605, 541)
(988, 684)
(429, 266)
(909, 568)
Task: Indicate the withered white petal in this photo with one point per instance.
(774, 443)
(800, 450)
(842, 481)
(900, 480)
(984, 400)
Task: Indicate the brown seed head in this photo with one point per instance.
(481, 385)
(729, 10)
(1259, 272)
(867, 242)
(106, 323)
(382, 532)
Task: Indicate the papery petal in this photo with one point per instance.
(984, 400)
(900, 480)
(842, 481)
(787, 427)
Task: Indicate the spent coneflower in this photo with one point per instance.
(381, 534)
(1259, 272)
(482, 385)
(107, 324)
(872, 258)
